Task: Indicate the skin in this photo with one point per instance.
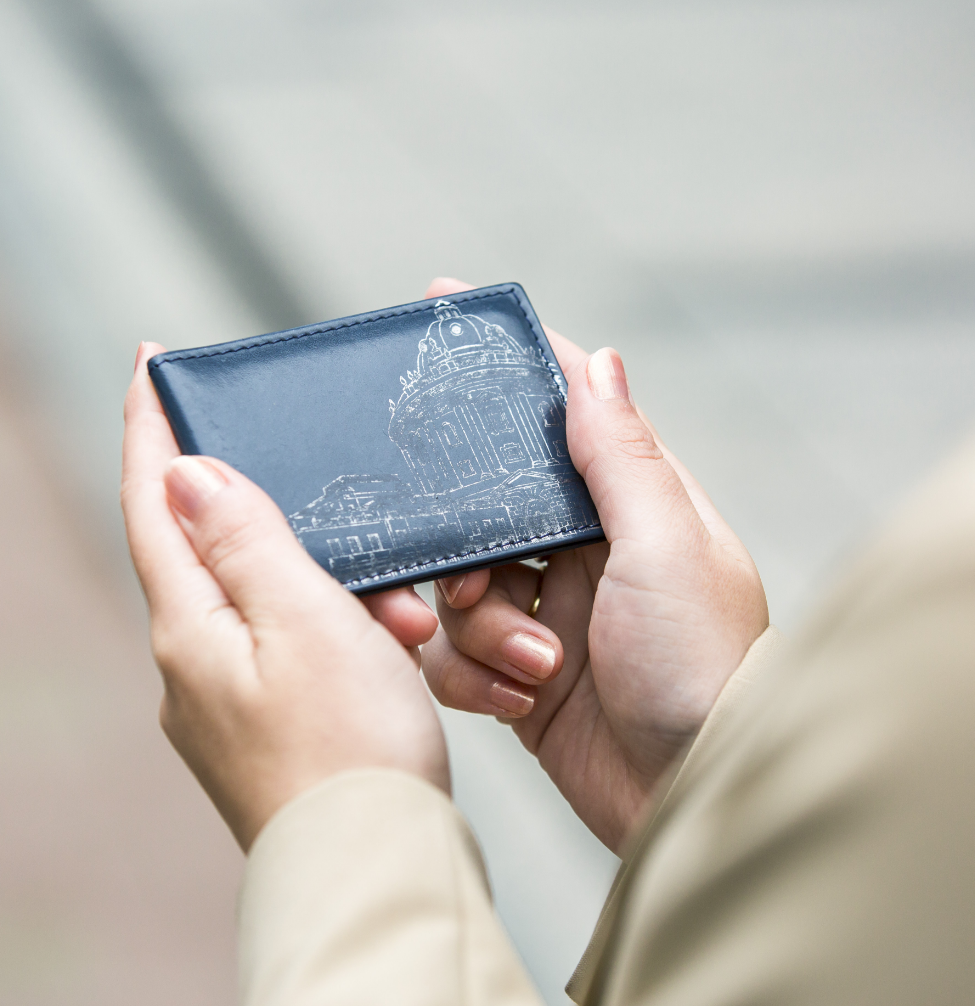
(276, 678)
(642, 632)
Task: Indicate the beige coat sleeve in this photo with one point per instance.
(759, 658)
(369, 889)
(818, 847)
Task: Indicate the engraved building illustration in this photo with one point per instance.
(480, 424)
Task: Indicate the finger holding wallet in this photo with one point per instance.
(631, 641)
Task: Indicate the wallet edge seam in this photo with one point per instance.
(420, 567)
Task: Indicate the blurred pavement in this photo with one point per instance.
(767, 208)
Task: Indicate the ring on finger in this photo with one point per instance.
(533, 610)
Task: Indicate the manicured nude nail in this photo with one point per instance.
(607, 378)
(450, 586)
(191, 481)
(529, 654)
(511, 699)
(138, 357)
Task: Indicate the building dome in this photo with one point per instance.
(479, 407)
(453, 332)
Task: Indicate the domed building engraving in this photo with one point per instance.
(480, 424)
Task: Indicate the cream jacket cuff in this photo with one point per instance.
(760, 656)
(367, 889)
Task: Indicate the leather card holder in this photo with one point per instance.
(403, 445)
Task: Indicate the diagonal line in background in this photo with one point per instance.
(102, 57)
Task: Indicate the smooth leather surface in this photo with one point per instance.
(405, 444)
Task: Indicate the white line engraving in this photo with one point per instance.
(481, 427)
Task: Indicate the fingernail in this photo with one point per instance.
(511, 699)
(450, 586)
(191, 481)
(607, 378)
(138, 357)
(529, 654)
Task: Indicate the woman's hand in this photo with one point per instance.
(632, 641)
(275, 675)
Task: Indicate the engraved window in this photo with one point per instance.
(355, 546)
(375, 543)
(335, 546)
(512, 453)
(496, 416)
(466, 469)
(450, 435)
(487, 525)
(550, 414)
(560, 449)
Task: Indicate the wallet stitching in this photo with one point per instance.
(466, 555)
(398, 313)
(338, 326)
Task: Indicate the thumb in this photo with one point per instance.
(244, 540)
(636, 490)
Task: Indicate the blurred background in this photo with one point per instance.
(767, 207)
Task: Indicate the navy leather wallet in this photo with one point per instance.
(404, 445)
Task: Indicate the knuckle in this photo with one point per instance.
(176, 722)
(475, 631)
(226, 537)
(449, 683)
(452, 621)
(632, 441)
(478, 637)
(445, 673)
(172, 719)
(468, 634)
(166, 649)
(457, 681)
(456, 684)
(432, 658)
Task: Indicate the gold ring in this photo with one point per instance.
(533, 610)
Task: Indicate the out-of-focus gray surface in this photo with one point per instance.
(767, 208)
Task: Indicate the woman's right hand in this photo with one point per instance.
(633, 639)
